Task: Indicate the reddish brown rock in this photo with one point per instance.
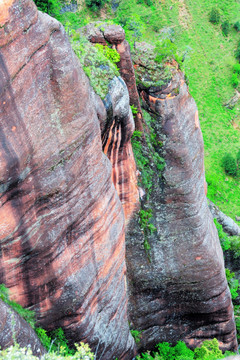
(62, 224)
(14, 329)
(115, 35)
(116, 139)
(180, 290)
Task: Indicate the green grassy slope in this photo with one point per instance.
(209, 58)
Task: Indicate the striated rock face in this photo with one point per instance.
(62, 223)
(116, 140)
(13, 327)
(182, 292)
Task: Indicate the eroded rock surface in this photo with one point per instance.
(62, 223)
(228, 224)
(180, 290)
(14, 329)
(116, 139)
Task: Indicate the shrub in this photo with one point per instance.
(95, 5)
(165, 50)
(51, 7)
(136, 334)
(16, 353)
(224, 239)
(208, 350)
(233, 283)
(214, 16)
(237, 25)
(237, 53)
(229, 164)
(236, 68)
(225, 28)
(235, 80)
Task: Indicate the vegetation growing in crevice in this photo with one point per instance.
(26, 314)
(98, 62)
(231, 244)
(54, 342)
(150, 163)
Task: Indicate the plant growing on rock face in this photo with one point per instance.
(233, 283)
(136, 334)
(26, 314)
(165, 50)
(98, 62)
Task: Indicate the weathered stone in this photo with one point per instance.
(116, 139)
(228, 224)
(62, 223)
(182, 292)
(14, 329)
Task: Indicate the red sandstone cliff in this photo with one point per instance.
(62, 224)
(182, 292)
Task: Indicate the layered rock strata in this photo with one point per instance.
(117, 129)
(13, 329)
(179, 290)
(62, 223)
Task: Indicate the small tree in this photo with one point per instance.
(229, 164)
(214, 16)
(237, 25)
(235, 80)
(237, 53)
(95, 5)
(225, 28)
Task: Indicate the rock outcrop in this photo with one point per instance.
(14, 329)
(62, 223)
(179, 290)
(115, 35)
(228, 224)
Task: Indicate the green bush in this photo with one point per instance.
(237, 53)
(229, 165)
(95, 5)
(209, 350)
(235, 80)
(51, 7)
(83, 352)
(224, 239)
(214, 16)
(233, 283)
(237, 25)
(236, 68)
(136, 334)
(225, 28)
(165, 50)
